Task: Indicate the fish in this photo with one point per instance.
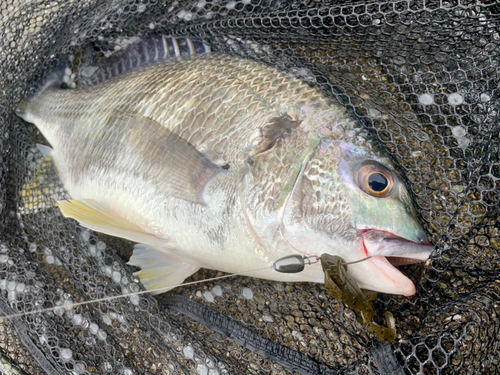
(216, 161)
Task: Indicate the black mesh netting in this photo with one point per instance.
(422, 75)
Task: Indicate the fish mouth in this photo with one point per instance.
(386, 251)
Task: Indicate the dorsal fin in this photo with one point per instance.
(148, 49)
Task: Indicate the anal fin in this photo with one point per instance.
(46, 151)
(101, 218)
(160, 269)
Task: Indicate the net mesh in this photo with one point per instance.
(423, 76)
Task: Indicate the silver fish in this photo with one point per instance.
(224, 163)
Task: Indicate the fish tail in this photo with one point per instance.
(54, 79)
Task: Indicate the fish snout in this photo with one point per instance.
(379, 243)
(385, 251)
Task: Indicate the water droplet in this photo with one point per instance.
(77, 319)
(247, 293)
(117, 276)
(108, 271)
(68, 305)
(374, 114)
(20, 287)
(134, 300)
(107, 366)
(485, 98)
(80, 367)
(202, 370)
(106, 319)
(455, 99)
(426, 99)
(85, 235)
(94, 328)
(188, 352)
(11, 285)
(101, 335)
(267, 318)
(66, 354)
(209, 297)
(459, 132)
(217, 290)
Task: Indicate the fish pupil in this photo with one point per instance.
(377, 182)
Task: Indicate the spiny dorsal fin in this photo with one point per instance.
(148, 49)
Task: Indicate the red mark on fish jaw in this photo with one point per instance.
(365, 250)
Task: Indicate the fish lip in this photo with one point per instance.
(400, 284)
(385, 250)
(397, 250)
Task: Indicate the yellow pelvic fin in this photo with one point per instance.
(160, 267)
(101, 218)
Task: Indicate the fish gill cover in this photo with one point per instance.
(422, 76)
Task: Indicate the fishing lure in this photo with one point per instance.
(344, 288)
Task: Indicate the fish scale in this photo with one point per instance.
(219, 162)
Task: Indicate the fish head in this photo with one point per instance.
(348, 200)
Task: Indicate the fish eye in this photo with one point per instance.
(377, 182)
(375, 179)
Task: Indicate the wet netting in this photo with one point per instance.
(423, 76)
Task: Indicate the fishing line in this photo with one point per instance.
(288, 264)
(67, 305)
(357, 261)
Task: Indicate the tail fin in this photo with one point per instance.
(54, 79)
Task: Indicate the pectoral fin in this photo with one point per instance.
(101, 218)
(165, 158)
(160, 268)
